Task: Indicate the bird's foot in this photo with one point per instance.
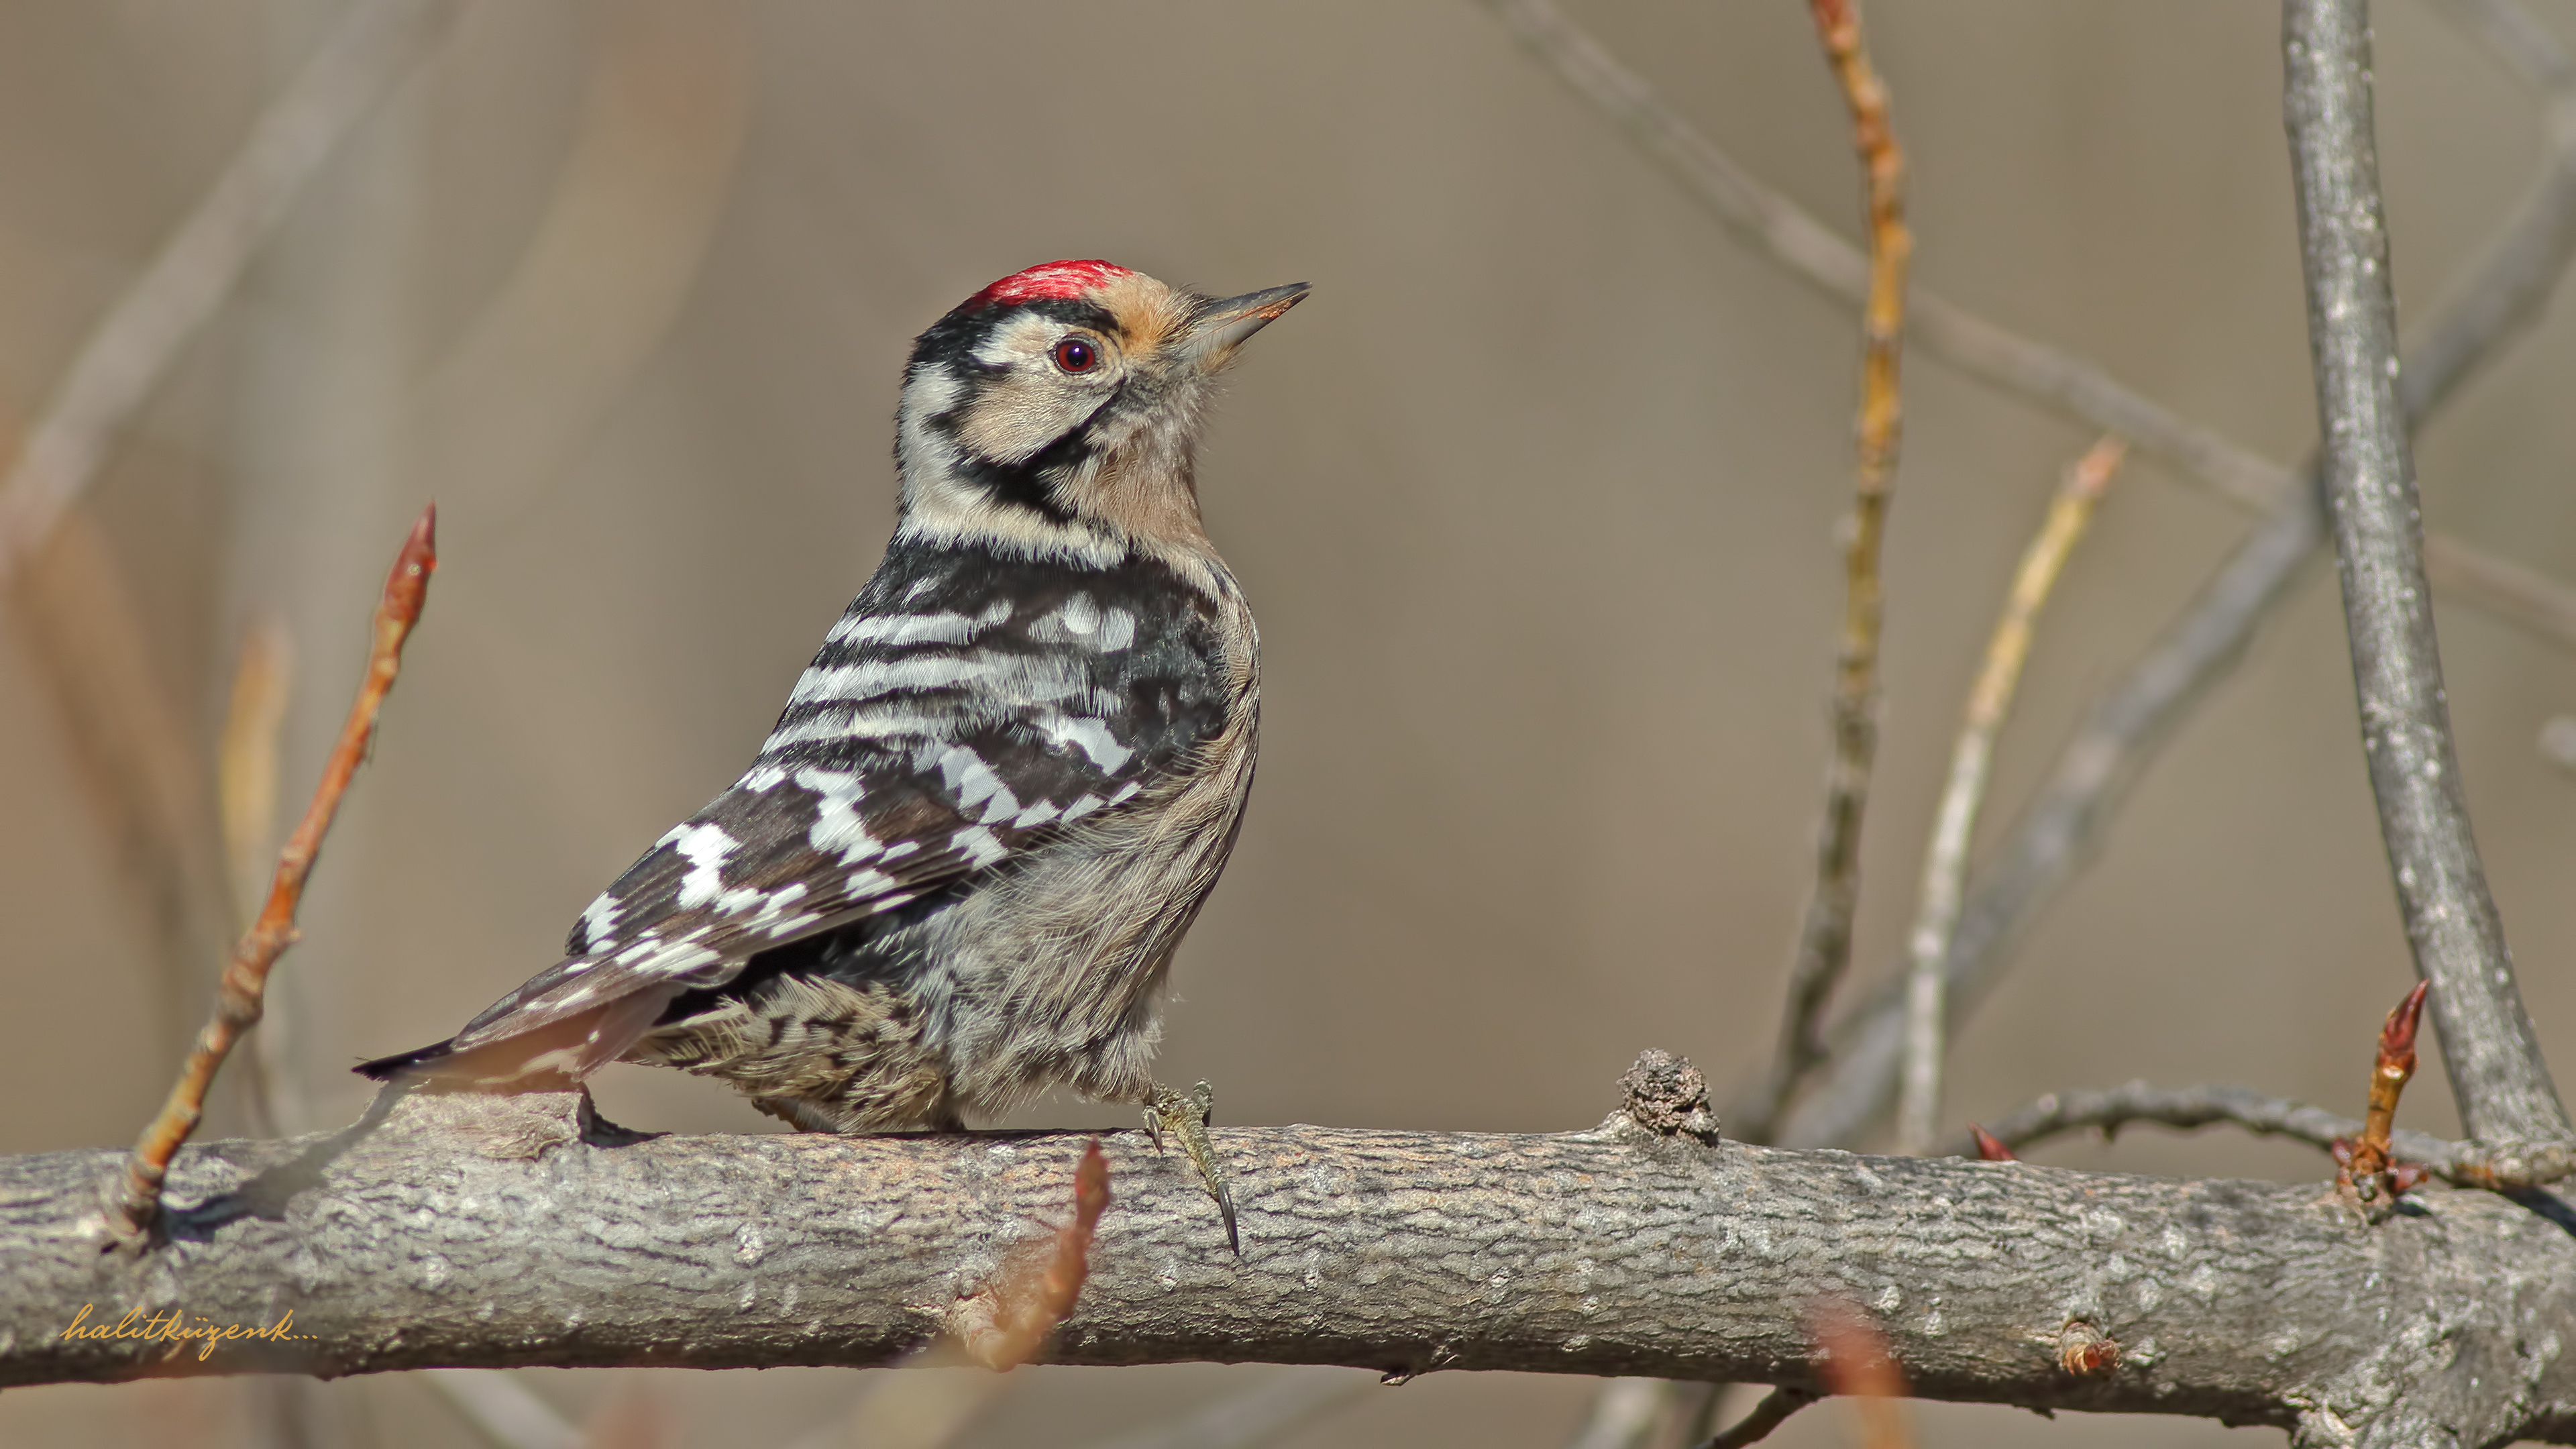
(1185, 1116)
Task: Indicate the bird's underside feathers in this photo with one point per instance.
(969, 706)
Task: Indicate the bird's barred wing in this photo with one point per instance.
(952, 720)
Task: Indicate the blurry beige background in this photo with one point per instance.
(1535, 500)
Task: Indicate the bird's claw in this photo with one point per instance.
(1185, 1115)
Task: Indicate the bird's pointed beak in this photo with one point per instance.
(1223, 324)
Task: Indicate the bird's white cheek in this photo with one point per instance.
(1018, 419)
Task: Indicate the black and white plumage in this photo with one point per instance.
(958, 869)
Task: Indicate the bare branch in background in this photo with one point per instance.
(1825, 938)
(237, 1009)
(2494, 302)
(2492, 1054)
(2530, 254)
(1945, 862)
(2054, 839)
(2497, 299)
(2493, 1166)
(1815, 254)
(374, 45)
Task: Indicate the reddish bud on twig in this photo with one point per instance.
(2369, 1172)
(1991, 1148)
(2397, 1034)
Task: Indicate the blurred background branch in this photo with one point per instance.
(1945, 858)
(1825, 936)
(374, 44)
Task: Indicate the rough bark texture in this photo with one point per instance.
(2368, 471)
(506, 1231)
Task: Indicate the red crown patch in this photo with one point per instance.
(1050, 280)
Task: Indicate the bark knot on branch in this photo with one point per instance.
(1668, 1097)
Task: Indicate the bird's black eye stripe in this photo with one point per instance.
(1077, 354)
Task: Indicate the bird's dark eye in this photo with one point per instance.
(1075, 355)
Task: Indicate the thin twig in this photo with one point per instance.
(2207, 1105)
(2061, 381)
(2494, 1166)
(245, 978)
(1825, 939)
(1945, 863)
(1770, 1414)
(374, 45)
(2493, 1056)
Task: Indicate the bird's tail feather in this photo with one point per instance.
(552, 1053)
(404, 1064)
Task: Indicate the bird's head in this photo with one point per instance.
(1056, 410)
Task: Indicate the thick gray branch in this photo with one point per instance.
(2488, 1046)
(491, 1232)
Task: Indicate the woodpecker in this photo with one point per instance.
(956, 872)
